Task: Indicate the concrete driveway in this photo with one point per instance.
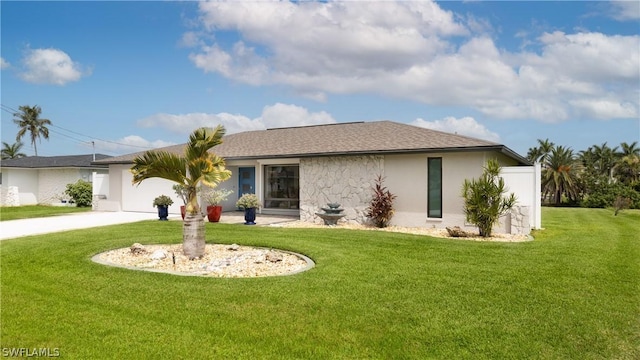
(36, 226)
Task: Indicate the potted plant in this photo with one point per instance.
(214, 198)
(181, 191)
(163, 202)
(249, 203)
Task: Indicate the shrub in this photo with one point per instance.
(381, 210)
(162, 200)
(620, 204)
(81, 193)
(483, 200)
(604, 194)
(215, 197)
(248, 201)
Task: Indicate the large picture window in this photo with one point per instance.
(434, 197)
(282, 190)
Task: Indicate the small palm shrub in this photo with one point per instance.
(483, 198)
(81, 192)
(380, 209)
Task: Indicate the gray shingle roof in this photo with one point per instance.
(377, 137)
(35, 162)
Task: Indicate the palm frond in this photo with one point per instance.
(160, 164)
(202, 140)
(218, 171)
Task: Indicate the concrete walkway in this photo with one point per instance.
(37, 226)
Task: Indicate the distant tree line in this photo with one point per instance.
(600, 176)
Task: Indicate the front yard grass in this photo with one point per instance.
(34, 211)
(573, 293)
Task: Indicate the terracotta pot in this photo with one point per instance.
(183, 210)
(214, 212)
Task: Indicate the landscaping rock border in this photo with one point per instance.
(220, 261)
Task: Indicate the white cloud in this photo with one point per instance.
(283, 115)
(4, 64)
(417, 51)
(605, 108)
(308, 39)
(50, 66)
(625, 10)
(129, 144)
(185, 123)
(241, 64)
(467, 126)
(277, 115)
(190, 39)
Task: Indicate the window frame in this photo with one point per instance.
(431, 214)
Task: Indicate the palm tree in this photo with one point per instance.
(196, 166)
(28, 119)
(629, 149)
(541, 152)
(627, 169)
(604, 159)
(12, 151)
(627, 166)
(560, 176)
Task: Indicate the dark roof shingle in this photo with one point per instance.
(337, 139)
(34, 162)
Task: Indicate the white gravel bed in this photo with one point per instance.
(440, 233)
(227, 261)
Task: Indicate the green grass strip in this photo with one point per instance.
(36, 211)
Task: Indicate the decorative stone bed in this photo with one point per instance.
(439, 233)
(225, 261)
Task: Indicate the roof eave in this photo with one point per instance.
(501, 148)
(383, 152)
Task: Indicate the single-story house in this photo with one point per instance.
(298, 170)
(43, 179)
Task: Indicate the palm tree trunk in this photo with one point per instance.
(193, 235)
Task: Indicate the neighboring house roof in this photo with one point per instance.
(69, 161)
(378, 137)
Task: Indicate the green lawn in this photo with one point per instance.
(573, 293)
(35, 211)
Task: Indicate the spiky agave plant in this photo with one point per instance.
(196, 166)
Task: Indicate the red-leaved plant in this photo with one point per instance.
(380, 209)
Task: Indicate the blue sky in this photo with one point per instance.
(130, 76)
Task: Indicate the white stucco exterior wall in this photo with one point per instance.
(139, 198)
(44, 186)
(26, 180)
(406, 177)
(53, 182)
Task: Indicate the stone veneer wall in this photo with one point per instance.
(347, 180)
(519, 217)
(9, 196)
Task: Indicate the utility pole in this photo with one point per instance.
(93, 144)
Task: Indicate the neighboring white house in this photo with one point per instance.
(298, 170)
(43, 179)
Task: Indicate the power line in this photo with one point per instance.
(14, 111)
